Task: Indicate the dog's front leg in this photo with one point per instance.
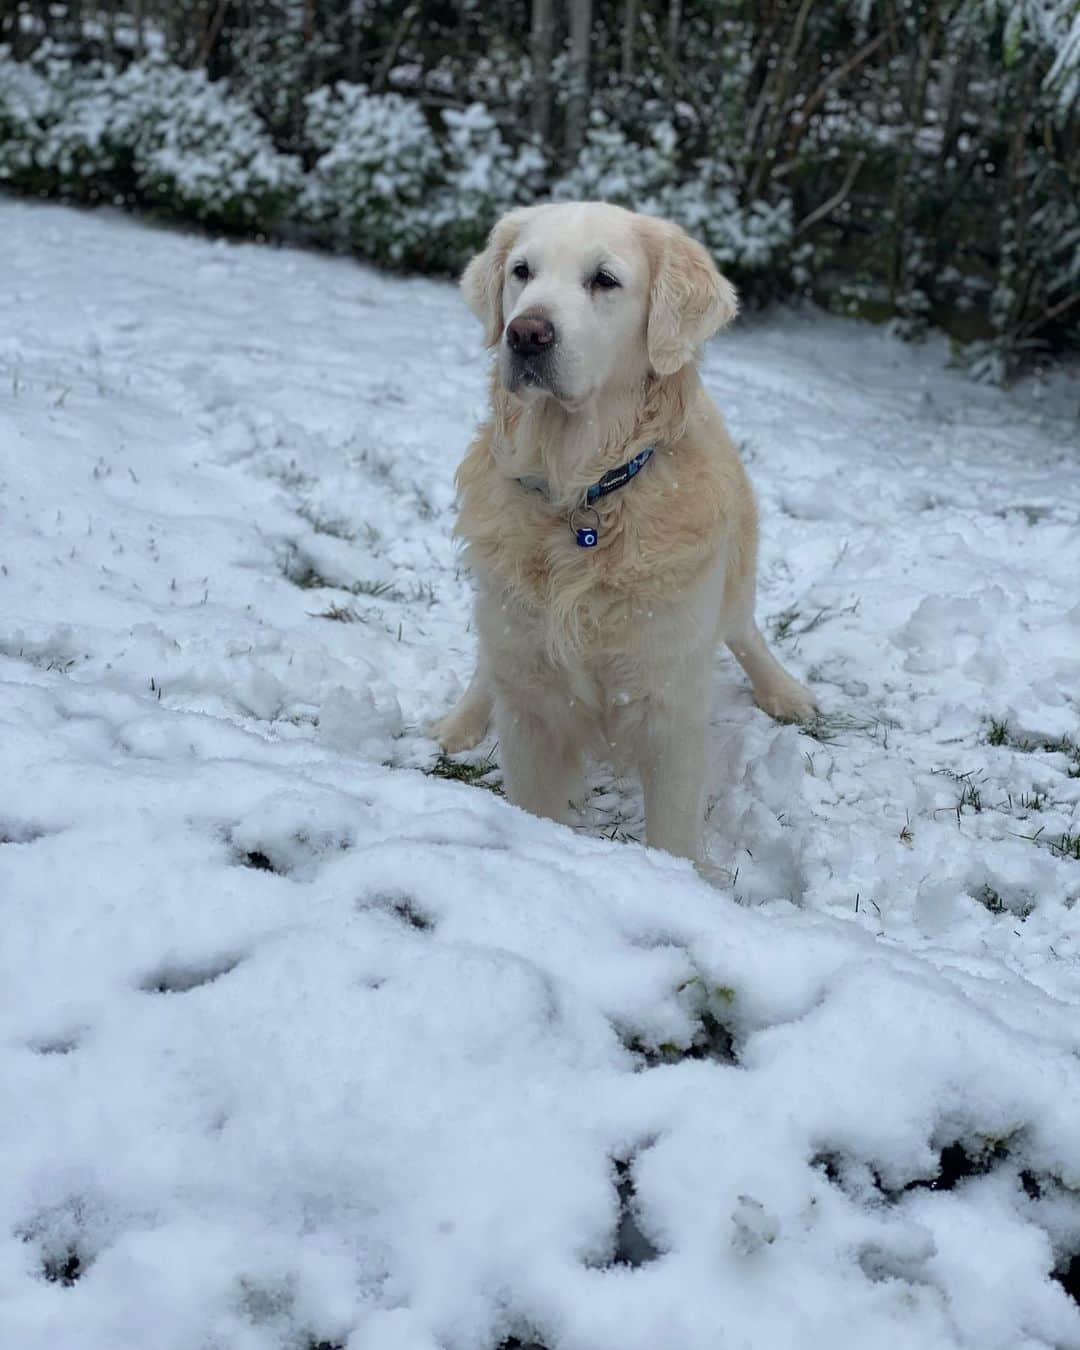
(673, 761)
(467, 722)
(541, 763)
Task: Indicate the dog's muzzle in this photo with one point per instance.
(530, 343)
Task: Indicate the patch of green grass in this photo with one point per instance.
(782, 623)
(823, 728)
(1065, 745)
(475, 773)
(291, 476)
(1068, 846)
(998, 733)
(828, 727)
(1028, 801)
(64, 1268)
(376, 465)
(302, 572)
(340, 614)
(710, 1040)
(335, 527)
(424, 590)
(57, 663)
(970, 798)
(1069, 746)
(378, 590)
(786, 624)
(991, 900)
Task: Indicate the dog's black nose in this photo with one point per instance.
(529, 334)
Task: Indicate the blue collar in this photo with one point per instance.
(608, 482)
(617, 478)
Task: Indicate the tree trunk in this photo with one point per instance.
(630, 23)
(577, 102)
(542, 49)
(674, 23)
(110, 27)
(355, 33)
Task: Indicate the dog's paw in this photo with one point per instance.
(787, 701)
(460, 729)
(721, 877)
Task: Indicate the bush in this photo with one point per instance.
(388, 186)
(750, 241)
(612, 167)
(203, 153)
(163, 137)
(378, 167)
(484, 177)
(55, 137)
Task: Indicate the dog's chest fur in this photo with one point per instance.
(657, 535)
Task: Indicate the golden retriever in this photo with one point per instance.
(598, 618)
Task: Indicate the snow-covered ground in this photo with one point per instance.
(306, 1045)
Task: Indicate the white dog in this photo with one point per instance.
(609, 523)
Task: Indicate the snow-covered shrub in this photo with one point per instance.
(400, 191)
(275, 65)
(484, 177)
(705, 200)
(200, 152)
(55, 130)
(750, 240)
(26, 99)
(614, 168)
(167, 137)
(500, 76)
(379, 164)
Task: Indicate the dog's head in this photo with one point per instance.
(580, 296)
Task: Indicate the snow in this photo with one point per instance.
(302, 1045)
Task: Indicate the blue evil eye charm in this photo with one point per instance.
(586, 535)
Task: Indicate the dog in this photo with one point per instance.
(607, 520)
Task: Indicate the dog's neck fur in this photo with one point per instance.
(571, 449)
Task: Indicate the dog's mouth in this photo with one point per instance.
(529, 372)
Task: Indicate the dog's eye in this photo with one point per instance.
(521, 271)
(604, 281)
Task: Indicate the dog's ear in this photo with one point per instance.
(482, 280)
(688, 301)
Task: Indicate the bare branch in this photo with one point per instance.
(835, 200)
(401, 32)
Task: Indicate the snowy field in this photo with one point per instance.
(306, 1044)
